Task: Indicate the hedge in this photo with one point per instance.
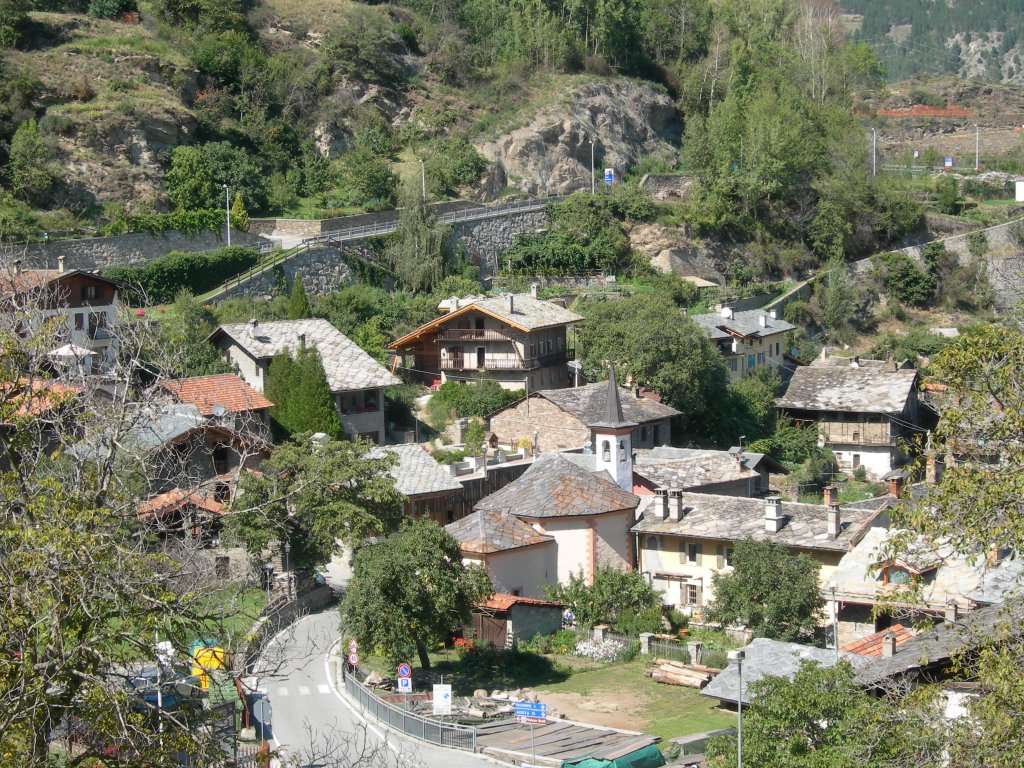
(159, 281)
(154, 223)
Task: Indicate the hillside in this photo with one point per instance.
(981, 39)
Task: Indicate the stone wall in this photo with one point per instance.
(665, 186)
(323, 270)
(556, 430)
(97, 253)
(486, 240)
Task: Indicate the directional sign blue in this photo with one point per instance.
(531, 710)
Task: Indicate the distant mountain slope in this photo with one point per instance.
(978, 38)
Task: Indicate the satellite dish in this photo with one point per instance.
(219, 410)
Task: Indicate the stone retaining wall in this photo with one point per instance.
(97, 253)
(323, 270)
(486, 240)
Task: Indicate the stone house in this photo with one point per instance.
(519, 559)
(728, 473)
(867, 411)
(225, 398)
(517, 340)
(356, 380)
(748, 340)
(84, 304)
(563, 419)
(430, 490)
(683, 538)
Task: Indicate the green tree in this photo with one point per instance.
(418, 252)
(370, 177)
(13, 19)
(452, 164)
(298, 303)
(280, 373)
(197, 174)
(190, 182)
(771, 590)
(410, 591)
(239, 215)
(313, 495)
(623, 599)
(32, 170)
(475, 438)
(947, 195)
(836, 299)
(185, 331)
(652, 340)
(822, 717)
(302, 398)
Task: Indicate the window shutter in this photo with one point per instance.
(682, 551)
(720, 554)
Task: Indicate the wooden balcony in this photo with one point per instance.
(477, 334)
(471, 363)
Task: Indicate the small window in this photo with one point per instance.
(733, 365)
(761, 358)
(728, 557)
(776, 349)
(606, 451)
(692, 594)
(79, 321)
(643, 434)
(751, 362)
(692, 553)
(898, 576)
(517, 592)
(88, 292)
(622, 450)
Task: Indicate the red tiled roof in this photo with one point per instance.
(872, 644)
(35, 397)
(221, 389)
(173, 500)
(501, 601)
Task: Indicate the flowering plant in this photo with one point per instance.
(599, 650)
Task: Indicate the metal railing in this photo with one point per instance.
(470, 362)
(477, 334)
(426, 729)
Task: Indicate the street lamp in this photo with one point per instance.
(738, 657)
(593, 188)
(832, 587)
(423, 181)
(874, 161)
(268, 575)
(977, 146)
(287, 570)
(227, 209)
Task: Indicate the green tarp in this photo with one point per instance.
(645, 757)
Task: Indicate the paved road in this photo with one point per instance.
(312, 720)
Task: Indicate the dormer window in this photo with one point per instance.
(900, 573)
(898, 576)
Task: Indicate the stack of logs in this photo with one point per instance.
(677, 673)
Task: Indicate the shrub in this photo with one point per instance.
(860, 473)
(453, 163)
(904, 280)
(448, 456)
(369, 176)
(161, 280)
(466, 400)
(564, 641)
(108, 9)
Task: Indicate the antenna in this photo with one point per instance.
(219, 410)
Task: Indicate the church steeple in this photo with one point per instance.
(613, 438)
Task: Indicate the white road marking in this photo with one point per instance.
(304, 690)
(323, 688)
(282, 692)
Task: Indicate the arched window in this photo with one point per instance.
(622, 450)
(606, 451)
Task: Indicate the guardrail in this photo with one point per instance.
(426, 729)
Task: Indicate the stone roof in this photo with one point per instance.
(418, 473)
(730, 518)
(862, 389)
(227, 390)
(746, 323)
(520, 309)
(872, 644)
(348, 367)
(613, 418)
(485, 532)
(772, 658)
(955, 578)
(554, 486)
(587, 403)
(702, 468)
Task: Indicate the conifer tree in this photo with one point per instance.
(239, 215)
(298, 303)
(310, 402)
(279, 378)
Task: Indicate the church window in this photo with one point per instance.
(622, 450)
(606, 451)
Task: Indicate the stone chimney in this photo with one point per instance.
(762, 320)
(835, 521)
(727, 313)
(636, 392)
(60, 264)
(302, 341)
(453, 303)
(660, 506)
(773, 313)
(855, 361)
(675, 506)
(888, 645)
(253, 325)
(773, 518)
(952, 612)
(895, 486)
(511, 303)
(17, 266)
(831, 494)
(533, 290)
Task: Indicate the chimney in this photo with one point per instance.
(636, 391)
(993, 557)
(60, 264)
(930, 475)
(952, 611)
(453, 303)
(773, 313)
(895, 486)
(533, 290)
(831, 494)
(17, 266)
(888, 645)
(253, 325)
(511, 303)
(302, 341)
(762, 320)
(660, 504)
(773, 519)
(835, 522)
(727, 313)
(675, 505)
(855, 361)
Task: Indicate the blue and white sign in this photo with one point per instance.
(949, 161)
(609, 176)
(528, 712)
(442, 700)
(404, 670)
(405, 685)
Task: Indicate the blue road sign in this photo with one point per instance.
(404, 670)
(528, 712)
(609, 176)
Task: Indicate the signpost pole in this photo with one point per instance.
(533, 746)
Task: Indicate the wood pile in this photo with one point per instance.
(677, 673)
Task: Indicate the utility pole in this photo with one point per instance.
(592, 183)
(874, 160)
(977, 147)
(423, 181)
(227, 209)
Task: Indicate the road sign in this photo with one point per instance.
(262, 713)
(609, 176)
(528, 712)
(405, 685)
(404, 670)
(949, 161)
(353, 659)
(353, 646)
(442, 699)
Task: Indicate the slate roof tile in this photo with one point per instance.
(865, 389)
(485, 532)
(418, 473)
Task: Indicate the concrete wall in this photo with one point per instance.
(527, 569)
(530, 620)
(121, 250)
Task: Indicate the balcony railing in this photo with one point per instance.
(470, 363)
(476, 334)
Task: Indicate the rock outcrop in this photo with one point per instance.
(671, 251)
(626, 119)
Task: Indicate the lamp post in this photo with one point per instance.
(977, 146)
(593, 186)
(227, 209)
(738, 657)
(832, 587)
(874, 161)
(423, 181)
(287, 570)
(268, 574)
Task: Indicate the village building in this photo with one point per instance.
(224, 397)
(728, 473)
(356, 380)
(748, 340)
(506, 619)
(518, 340)
(867, 411)
(429, 488)
(84, 305)
(685, 538)
(563, 419)
(519, 559)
